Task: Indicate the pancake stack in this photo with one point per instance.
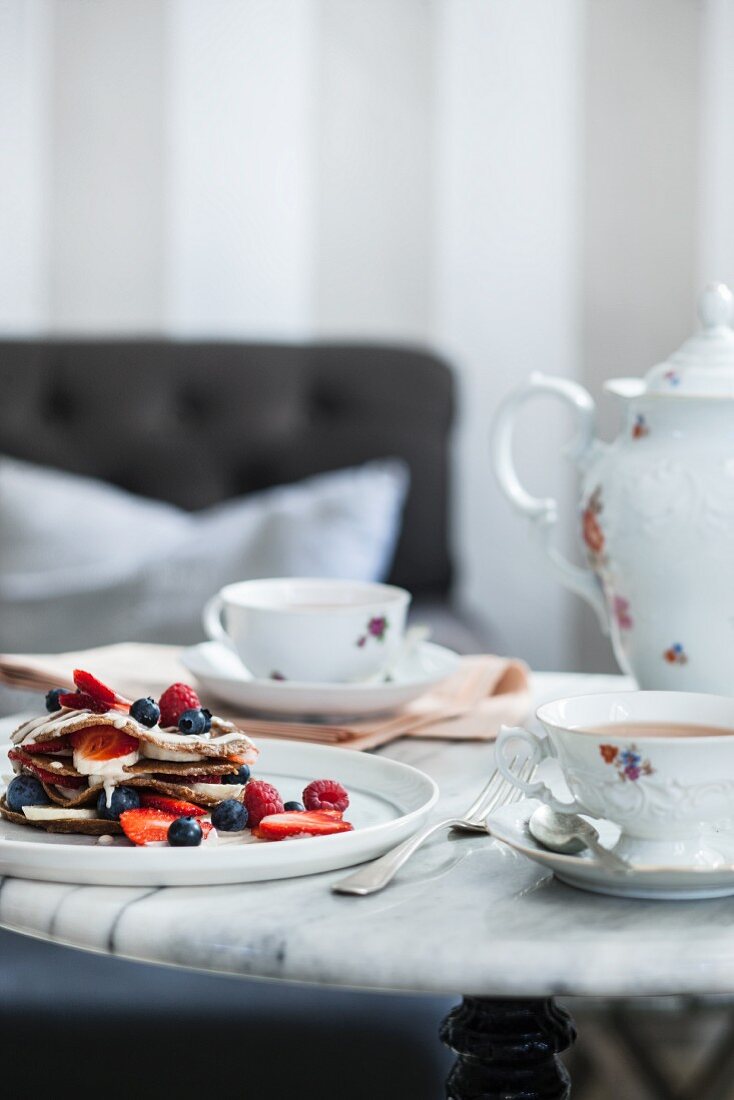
(90, 745)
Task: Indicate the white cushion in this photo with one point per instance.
(84, 563)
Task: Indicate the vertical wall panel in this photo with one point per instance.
(106, 153)
(507, 286)
(716, 195)
(25, 56)
(240, 170)
(375, 169)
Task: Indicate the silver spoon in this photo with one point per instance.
(569, 834)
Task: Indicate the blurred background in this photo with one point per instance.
(516, 186)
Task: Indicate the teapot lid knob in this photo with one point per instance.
(715, 305)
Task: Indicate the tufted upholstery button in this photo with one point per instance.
(58, 405)
(327, 404)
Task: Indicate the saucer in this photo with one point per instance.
(648, 881)
(219, 670)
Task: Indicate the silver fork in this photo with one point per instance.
(376, 875)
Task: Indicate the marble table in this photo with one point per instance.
(466, 915)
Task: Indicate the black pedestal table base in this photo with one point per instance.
(508, 1049)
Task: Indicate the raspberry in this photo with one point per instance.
(325, 794)
(174, 701)
(261, 800)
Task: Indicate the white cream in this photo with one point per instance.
(219, 790)
(108, 772)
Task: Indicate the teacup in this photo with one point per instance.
(660, 764)
(323, 631)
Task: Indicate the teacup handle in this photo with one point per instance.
(211, 618)
(541, 748)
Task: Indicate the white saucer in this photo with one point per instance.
(218, 670)
(389, 801)
(650, 881)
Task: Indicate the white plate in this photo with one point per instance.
(509, 824)
(220, 671)
(388, 802)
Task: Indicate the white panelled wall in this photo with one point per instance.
(460, 174)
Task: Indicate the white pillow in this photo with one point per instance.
(84, 563)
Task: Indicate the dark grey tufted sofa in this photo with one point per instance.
(195, 423)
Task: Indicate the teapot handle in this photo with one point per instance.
(543, 511)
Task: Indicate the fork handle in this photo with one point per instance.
(376, 875)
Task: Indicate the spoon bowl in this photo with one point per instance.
(569, 834)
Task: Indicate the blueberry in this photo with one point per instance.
(184, 832)
(240, 776)
(207, 719)
(25, 790)
(52, 699)
(295, 806)
(145, 711)
(123, 798)
(193, 722)
(229, 816)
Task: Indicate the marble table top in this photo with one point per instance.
(466, 915)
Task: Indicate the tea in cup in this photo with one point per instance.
(658, 763)
(324, 631)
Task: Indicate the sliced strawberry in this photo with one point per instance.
(148, 826)
(46, 776)
(59, 744)
(76, 781)
(90, 685)
(174, 806)
(103, 742)
(80, 700)
(298, 823)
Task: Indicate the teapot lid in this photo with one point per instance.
(703, 366)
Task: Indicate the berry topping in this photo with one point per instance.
(240, 776)
(185, 832)
(325, 794)
(174, 701)
(123, 798)
(80, 700)
(49, 748)
(229, 816)
(90, 685)
(193, 722)
(307, 823)
(175, 806)
(146, 826)
(102, 743)
(46, 776)
(52, 699)
(294, 807)
(25, 790)
(261, 800)
(146, 712)
(207, 719)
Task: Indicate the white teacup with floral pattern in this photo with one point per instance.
(669, 792)
(315, 630)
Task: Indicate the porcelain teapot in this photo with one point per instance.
(657, 508)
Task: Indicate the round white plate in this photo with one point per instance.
(218, 670)
(509, 824)
(389, 801)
